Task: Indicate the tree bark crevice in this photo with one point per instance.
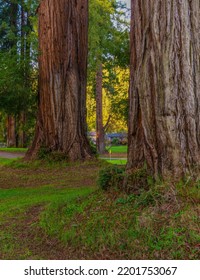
(61, 123)
(165, 86)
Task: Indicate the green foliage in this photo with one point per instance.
(109, 46)
(137, 180)
(126, 199)
(51, 156)
(18, 63)
(17, 58)
(115, 141)
(108, 34)
(111, 177)
(43, 153)
(93, 147)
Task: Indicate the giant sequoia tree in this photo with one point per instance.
(61, 123)
(164, 118)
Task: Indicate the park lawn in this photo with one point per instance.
(26, 189)
(6, 161)
(114, 149)
(118, 149)
(117, 161)
(57, 211)
(14, 150)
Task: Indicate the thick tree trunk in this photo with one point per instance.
(11, 135)
(164, 120)
(100, 143)
(61, 124)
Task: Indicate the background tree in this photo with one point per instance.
(164, 125)
(63, 37)
(18, 69)
(114, 101)
(108, 48)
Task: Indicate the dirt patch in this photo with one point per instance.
(115, 155)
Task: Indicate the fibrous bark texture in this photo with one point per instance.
(164, 120)
(11, 131)
(61, 124)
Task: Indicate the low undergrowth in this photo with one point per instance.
(161, 223)
(56, 211)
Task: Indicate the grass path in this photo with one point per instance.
(56, 211)
(25, 191)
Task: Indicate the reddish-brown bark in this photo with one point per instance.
(164, 125)
(100, 143)
(21, 130)
(61, 123)
(11, 131)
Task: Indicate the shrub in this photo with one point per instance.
(93, 147)
(115, 141)
(47, 154)
(137, 180)
(43, 153)
(111, 177)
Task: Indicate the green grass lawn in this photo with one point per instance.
(14, 150)
(56, 211)
(118, 149)
(18, 199)
(114, 149)
(117, 161)
(6, 161)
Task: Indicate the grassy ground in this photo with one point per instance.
(56, 211)
(6, 161)
(117, 155)
(114, 149)
(118, 149)
(14, 150)
(117, 161)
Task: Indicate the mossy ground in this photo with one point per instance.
(56, 211)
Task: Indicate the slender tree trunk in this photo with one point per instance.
(100, 143)
(61, 123)
(11, 122)
(13, 24)
(164, 117)
(25, 64)
(22, 133)
(22, 31)
(11, 136)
